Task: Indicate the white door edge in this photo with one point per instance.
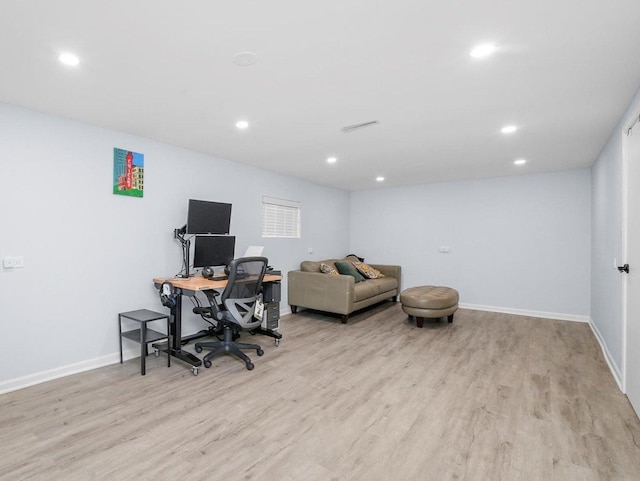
(625, 244)
(625, 252)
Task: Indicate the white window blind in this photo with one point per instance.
(280, 218)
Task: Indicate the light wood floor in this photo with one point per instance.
(490, 397)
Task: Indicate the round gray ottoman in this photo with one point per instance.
(432, 302)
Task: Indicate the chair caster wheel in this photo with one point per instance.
(250, 366)
(198, 349)
(260, 352)
(194, 369)
(207, 364)
(276, 342)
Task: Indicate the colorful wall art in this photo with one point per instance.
(128, 173)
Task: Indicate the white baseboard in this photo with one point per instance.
(613, 367)
(525, 312)
(44, 376)
(37, 378)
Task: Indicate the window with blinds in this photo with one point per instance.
(280, 218)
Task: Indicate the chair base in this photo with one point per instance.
(227, 346)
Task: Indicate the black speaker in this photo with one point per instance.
(207, 272)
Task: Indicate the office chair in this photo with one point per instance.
(236, 307)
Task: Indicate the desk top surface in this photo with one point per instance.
(199, 283)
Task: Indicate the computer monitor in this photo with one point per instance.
(212, 251)
(205, 217)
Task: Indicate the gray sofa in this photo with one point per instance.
(311, 288)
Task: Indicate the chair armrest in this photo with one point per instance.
(323, 292)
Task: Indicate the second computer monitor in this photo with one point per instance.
(212, 251)
(205, 217)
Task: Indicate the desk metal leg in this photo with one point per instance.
(143, 348)
(120, 336)
(168, 339)
(174, 348)
(211, 332)
(268, 332)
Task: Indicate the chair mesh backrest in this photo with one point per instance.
(244, 286)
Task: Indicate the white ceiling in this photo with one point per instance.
(564, 72)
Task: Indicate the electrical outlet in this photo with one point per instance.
(11, 262)
(445, 250)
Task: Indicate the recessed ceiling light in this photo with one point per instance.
(483, 50)
(508, 129)
(379, 178)
(520, 162)
(331, 160)
(242, 124)
(69, 58)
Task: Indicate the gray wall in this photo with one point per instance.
(518, 244)
(90, 254)
(606, 281)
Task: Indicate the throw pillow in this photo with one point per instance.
(368, 271)
(349, 269)
(327, 269)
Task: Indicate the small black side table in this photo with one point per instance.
(143, 335)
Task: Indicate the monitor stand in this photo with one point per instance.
(186, 248)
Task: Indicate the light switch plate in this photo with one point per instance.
(11, 262)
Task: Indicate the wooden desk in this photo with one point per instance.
(189, 287)
(198, 283)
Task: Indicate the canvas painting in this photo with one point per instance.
(128, 173)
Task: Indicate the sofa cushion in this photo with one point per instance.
(365, 290)
(310, 266)
(384, 284)
(328, 269)
(347, 268)
(314, 266)
(367, 271)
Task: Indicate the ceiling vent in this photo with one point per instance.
(351, 128)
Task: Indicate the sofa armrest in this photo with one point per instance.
(390, 271)
(323, 292)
